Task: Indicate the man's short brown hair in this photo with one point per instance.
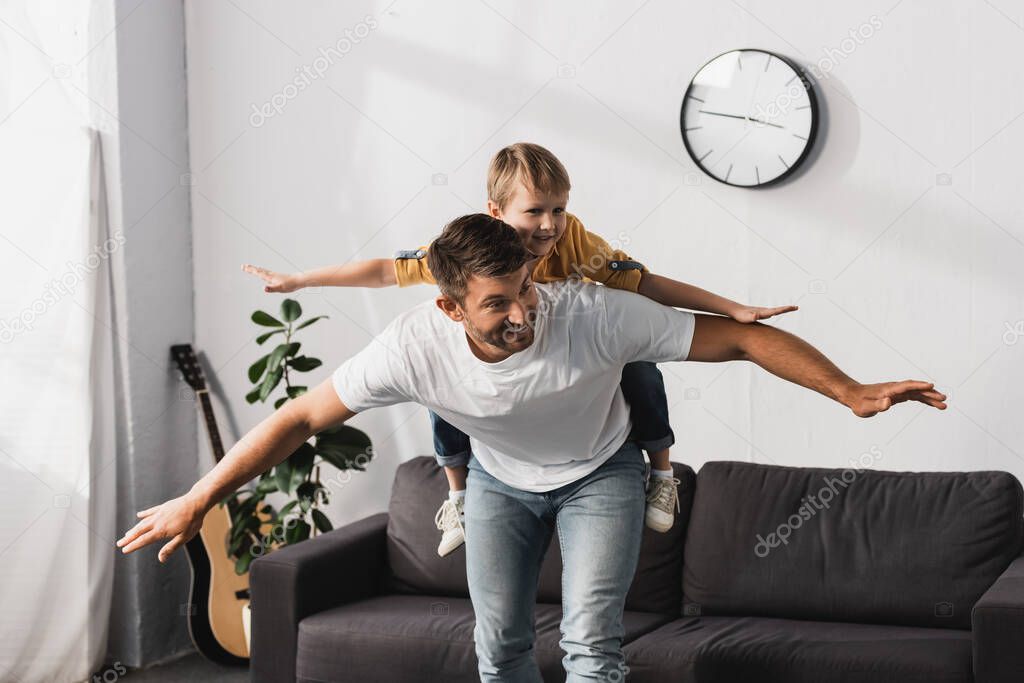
(476, 244)
(526, 163)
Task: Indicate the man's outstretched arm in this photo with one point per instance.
(717, 339)
(266, 444)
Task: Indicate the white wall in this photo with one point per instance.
(897, 276)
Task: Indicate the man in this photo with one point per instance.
(532, 376)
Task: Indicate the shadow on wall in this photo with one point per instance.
(428, 67)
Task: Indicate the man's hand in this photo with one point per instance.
(751, 314)
(866, 400)
(276, 282)
(179, 519)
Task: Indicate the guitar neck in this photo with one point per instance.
(211, 425)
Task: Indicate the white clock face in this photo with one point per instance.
(748, 118)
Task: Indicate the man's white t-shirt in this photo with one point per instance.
(544, 417)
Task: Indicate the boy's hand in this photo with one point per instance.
(276, 282)
(751, 314)
(179, 519)
(866, 400)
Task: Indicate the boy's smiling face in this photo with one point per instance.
(538, 217)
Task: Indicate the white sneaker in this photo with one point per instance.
(662, 503)
(449, 520)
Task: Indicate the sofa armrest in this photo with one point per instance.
(997, 622)
(340, 566)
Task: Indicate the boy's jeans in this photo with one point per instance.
(644, 391)
(600, 520)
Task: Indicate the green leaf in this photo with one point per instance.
(293, 471)
(265, 319)
(248, 506)
(243, 525)
(276, 356)
(253, 395)
(284, 511)
(309, 322)
(296, 391)
(297, 532)
(280, 402)
(290, 310)
(267, 335)
(302, 460)
(321, 521)
(243, 562)
(234, 546)
(334, 456)
(283, 476)
(272, 379)
(293, 348)
(304, 363)
(342, 445)
(257, 368)
(266, 485)
(232, 496)
(306, 493)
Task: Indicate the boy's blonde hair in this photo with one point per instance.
(526, 163)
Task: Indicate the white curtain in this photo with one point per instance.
(57, 405)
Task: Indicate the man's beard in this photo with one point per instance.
(502, 338)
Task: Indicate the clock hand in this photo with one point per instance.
(716, 113)
(735, 116)
(766, 123)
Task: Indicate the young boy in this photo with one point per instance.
(528, 188)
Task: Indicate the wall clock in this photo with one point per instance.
(749, 118)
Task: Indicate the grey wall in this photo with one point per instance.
(147, 156)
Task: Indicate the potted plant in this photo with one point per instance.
(256, 526)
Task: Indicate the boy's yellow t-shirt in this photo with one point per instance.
(577, 253)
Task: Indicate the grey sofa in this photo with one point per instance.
(797, 575)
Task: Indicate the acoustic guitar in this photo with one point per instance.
(216, 594)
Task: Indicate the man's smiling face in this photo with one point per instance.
(498, 314)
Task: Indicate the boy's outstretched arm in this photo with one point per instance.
(379, 272)
(785, 355)
(669, 292)
(267, 444)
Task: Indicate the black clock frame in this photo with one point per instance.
(811, 136)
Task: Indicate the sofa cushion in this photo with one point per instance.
(656, 586)
(917, 549)
(720, 649)
(415, 638)
(419, 488)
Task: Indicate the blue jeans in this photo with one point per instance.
(599, 520)
(643, 388)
